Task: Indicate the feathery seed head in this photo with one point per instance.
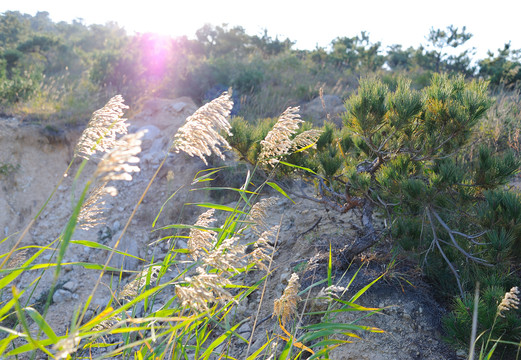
(202, 289)
(331, 291)
(131, 289)
(286, 305)
(115, 165)
(17, 259)
(91, 213)
(201, 240)
(325, 295)
(200, 135)
(305, 139)
(278, 143)
(510, 301)
(101, 131)
(228, 256)
(259, 211)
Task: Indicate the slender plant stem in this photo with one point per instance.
(119, 240)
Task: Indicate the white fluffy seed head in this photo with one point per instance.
(278, 143)
(117, 164)
(102, 129)
(201, 134)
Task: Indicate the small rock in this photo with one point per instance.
(104, 234)
(61, 295)
(88, 315)
(461, 353)
(151, 132)
(116, 226)
(178, 106)
(72, 286)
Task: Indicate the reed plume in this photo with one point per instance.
(102, 129)
(227, 257)
(200, 135)
(286, 305)
(131, 290)
(278, 143)
(203, 289)
(67, 346)
(305, 139)
(91, 213)
(259, 212)
(201, 240)
(115, 165)
(509, 301)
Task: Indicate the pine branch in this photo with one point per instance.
(436, 241)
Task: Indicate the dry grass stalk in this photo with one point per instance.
(200, 135)
(201, 241)
(510, 301)
(278, 143)
(115, 165)
(203, 289)
(286, 305)
(101, 131)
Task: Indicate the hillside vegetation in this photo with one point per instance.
(59, 71)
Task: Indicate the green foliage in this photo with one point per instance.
(490, 325)
(407, 152)
(503, 69)
(261, 69)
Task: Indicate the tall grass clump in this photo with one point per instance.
(197, 316)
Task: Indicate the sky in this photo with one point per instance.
(309, 23)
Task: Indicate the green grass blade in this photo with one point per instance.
(279, 189)
(205, 177)
(218, 207)
(206, 355)
(95, 245)
(42, 324)
(13, 275)
(257, 353)
(163, 206)
(298, 167)
(365, 288)
(329, 267)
